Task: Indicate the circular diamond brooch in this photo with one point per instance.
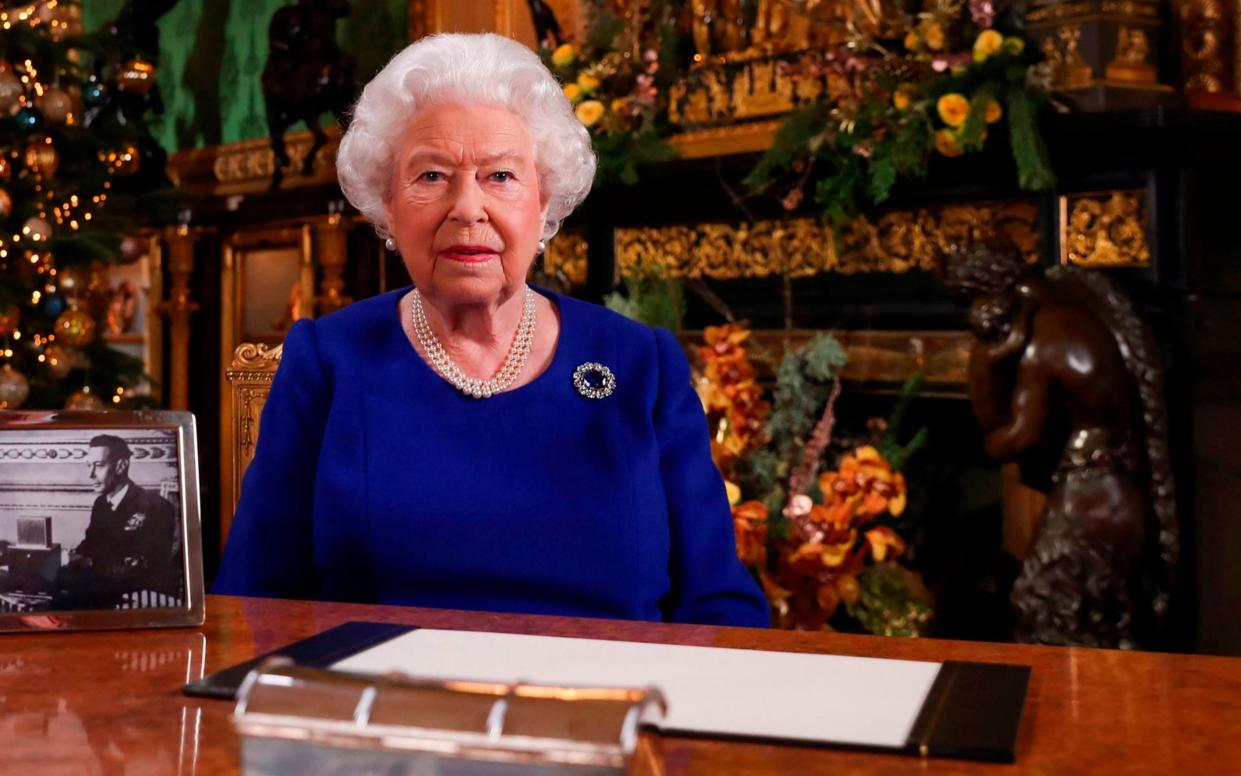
(594, 381)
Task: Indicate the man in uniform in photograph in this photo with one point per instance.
(132, 542)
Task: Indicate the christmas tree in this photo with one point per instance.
(79, 174)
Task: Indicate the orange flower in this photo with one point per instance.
(901, 98)
(946, 143)
(828, 598)
(750, 525)
(953, 108)
(884, 541)
(866, 483)
(848, 588)
(992, 112)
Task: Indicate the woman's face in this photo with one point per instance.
(465, 207)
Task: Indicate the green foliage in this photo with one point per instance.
(650, 300)
(890, 446)
(803, 382)
(1029, 151)
(788, 145)
(892, 601)
(632, 124)
(855, 148)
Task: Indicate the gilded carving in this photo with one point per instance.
(1204, 28)
(254, 361)
(249, 377)
(1129, 62)
(1105, 230)
(1057, 12)
(741, 90)
(894, 242)
(1130, 8)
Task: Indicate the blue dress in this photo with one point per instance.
(374, 480)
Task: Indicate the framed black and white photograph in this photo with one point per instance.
(99, 520)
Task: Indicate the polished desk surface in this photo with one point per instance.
(109, 702)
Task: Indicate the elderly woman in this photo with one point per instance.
(471, 442)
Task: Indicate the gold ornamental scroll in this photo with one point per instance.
(898, 241)
(1105, 230)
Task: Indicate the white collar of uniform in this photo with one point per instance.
(114, 500)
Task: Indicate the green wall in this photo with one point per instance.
(212, 54)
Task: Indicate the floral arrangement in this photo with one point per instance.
(616, 81)
(824, 545)
(887, 112)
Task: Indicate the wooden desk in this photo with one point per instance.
(88, 703)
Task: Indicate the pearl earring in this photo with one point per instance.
(390, 244)
(542, 246)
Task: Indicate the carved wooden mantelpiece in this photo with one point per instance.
(245, 167)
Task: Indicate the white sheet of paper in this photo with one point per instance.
(710, 690)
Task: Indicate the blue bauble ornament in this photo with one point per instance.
(53, 305)
(29, 119)
(94, 93)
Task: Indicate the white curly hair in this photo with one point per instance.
(472, 69)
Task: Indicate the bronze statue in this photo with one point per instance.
(306, 75)
(546, 27)
(1065, 380)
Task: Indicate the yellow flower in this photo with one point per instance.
(619, 104)
(1014, 45)
(934, 37)
(587, 83)
(993, 112)
(946, 143)
(589, 112)
(912, 40)
(883, 542)
(573, 92)
(952, 109)
(734, 493)
(564, 55)
(989, 42)
(900, 98)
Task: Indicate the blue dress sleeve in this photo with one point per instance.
(270, 548)
(709, 584)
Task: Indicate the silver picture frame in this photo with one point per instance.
(89, 543)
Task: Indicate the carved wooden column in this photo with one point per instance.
(178, 307)
(332, 251)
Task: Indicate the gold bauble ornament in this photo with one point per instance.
(58, 361)
(11, 90)
(14, 388)
(6, 204)
(74, 328)
(6, 169)
(9, 318)
(136, 76)
(127, 161)
(41, 157)
(37, 229)
(56, 105)
(83, 400)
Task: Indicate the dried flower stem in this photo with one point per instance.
(815, 445)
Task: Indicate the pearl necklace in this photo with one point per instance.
(442, 363)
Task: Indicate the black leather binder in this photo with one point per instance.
(971, 711)
(318, 651)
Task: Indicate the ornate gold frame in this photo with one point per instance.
(248, 379)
